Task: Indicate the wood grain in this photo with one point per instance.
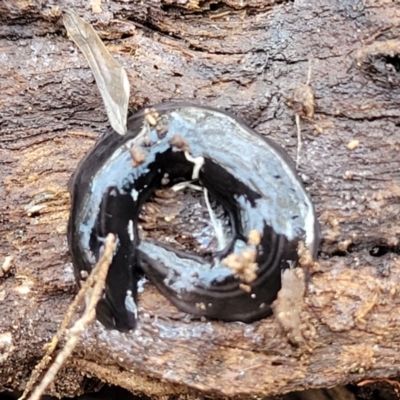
(248, 57)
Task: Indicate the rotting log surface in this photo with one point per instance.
(248, 57)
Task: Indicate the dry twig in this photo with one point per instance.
(94, 286)
(303, 104)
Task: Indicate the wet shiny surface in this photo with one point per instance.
(250, 177)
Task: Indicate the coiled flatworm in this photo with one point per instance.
(250, 176)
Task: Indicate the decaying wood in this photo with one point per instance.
(249, 57)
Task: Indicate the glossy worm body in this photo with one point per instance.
(251, 177)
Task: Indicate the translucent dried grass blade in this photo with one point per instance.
(111, 78)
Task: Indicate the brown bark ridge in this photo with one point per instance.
(248, 57)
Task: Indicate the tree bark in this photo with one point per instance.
(248, 57)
